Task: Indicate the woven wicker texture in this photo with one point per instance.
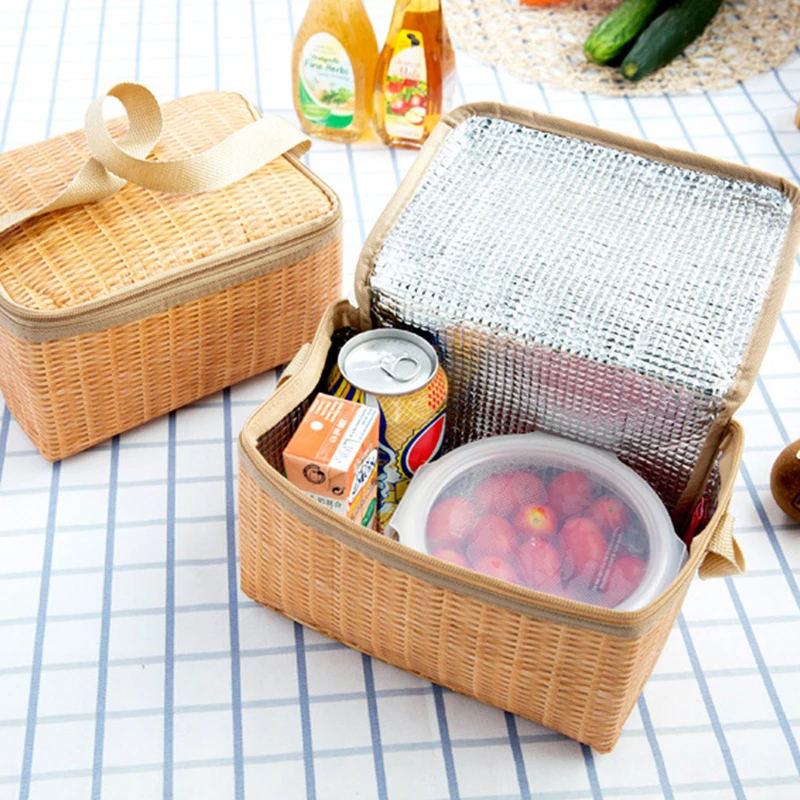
(78, 254)
(581, 683)
(745, 38)
(72, 393)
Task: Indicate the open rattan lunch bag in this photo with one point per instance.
(572, 281)
(122, 301)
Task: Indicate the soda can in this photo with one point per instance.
(397, 372)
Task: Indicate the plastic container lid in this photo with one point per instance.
(547, 513)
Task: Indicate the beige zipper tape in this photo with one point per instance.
(716, 538)
(113, 164)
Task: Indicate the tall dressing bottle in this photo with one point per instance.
(416, 74)
(333, 70)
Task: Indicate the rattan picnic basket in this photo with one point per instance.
(572, 667)
(122, 301)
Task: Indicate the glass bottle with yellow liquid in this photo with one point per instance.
(416, 73)
(333, 70)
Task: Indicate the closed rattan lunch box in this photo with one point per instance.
(122, 301)
(573, 281)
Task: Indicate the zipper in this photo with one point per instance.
(196, 274)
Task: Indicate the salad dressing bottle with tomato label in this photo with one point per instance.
(333, 70)
(416, 74)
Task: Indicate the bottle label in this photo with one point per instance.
(326, 83)
(406, 87)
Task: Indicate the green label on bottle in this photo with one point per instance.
(327, 86)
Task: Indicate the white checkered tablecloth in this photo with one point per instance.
(130, 664)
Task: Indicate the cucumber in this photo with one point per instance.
(618, 28)
(667, 36)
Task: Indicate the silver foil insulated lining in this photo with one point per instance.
(581, 290)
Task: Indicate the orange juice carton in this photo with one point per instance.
(333, 457)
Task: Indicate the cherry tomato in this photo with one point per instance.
(492, 535)
(623, 579)
(496, 567)
(609, 514)
(584, 548)
(507, 492)
(569, 494)
(539, 565)
(492, 496)
(450, 523)
(538, 521)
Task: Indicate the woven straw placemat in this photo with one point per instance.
(746, 37)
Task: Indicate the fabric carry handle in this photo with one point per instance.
(113, 164)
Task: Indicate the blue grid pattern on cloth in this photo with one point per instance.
(130, 663)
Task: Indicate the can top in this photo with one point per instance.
(387, 361)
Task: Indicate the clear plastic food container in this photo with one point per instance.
(547, 513)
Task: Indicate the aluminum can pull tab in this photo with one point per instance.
(391, 365)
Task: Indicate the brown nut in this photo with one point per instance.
(785, 480)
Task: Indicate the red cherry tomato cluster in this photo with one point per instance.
(566, 537)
